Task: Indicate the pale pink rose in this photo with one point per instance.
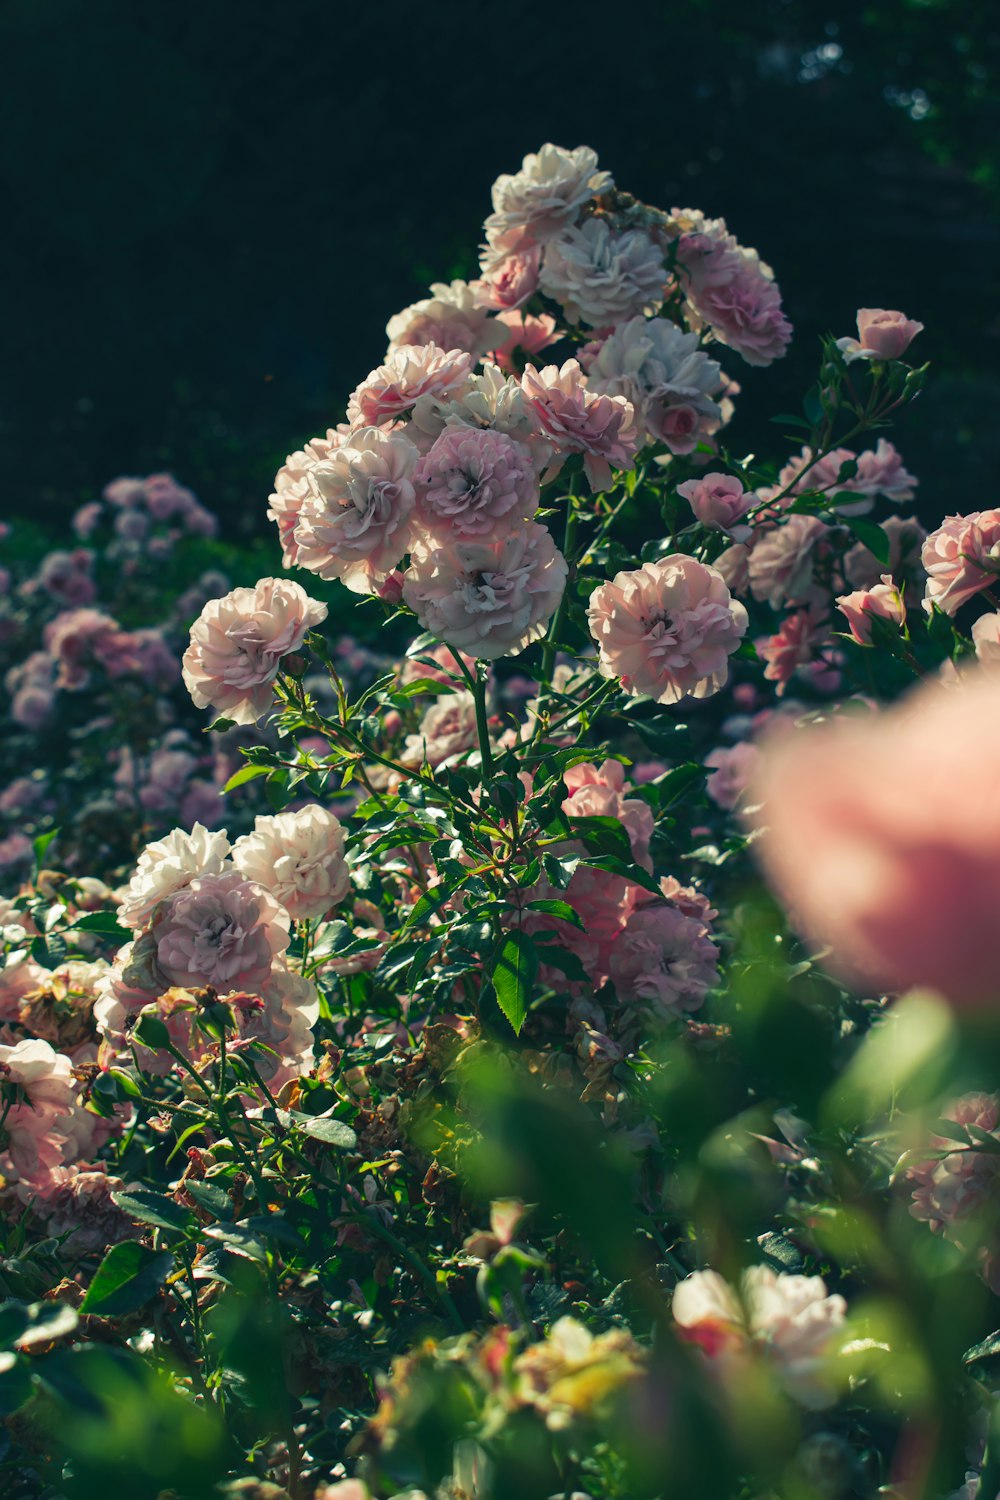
(718, 501)
(691, 902)
(663, 960)
(791, 1322)
(668, 629)
(881, 472)
(575, 420)
(359, 522)
(298, 857)
(220, 930)
(532, 205)
(528, 334)
(782, 560)
(602, 901)
(475, 485)
(906, 537)
(878, 471)
(600, 792)
(490, 599)
(292, 490)
(68, 577)
(986, 639)
(82, 639)
(452, 317)
(796, 643)
(509, 277)
(41, 1125)
(744, 311)
(410, 371)
(734, 565)
(883, 602)
(670, 381)
(961, 558)
(883, 835)
(238, 644)
(601, 277)
(882, 335)
(490, 401)
(436, 664)
(447, 729)
(166, 866)
(732, 770)
(961, 1185)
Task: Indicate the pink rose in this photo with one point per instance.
(718, 501)
(410, 371)
(475, 484)
(961, 558)
(883, 838)
(298, 857)
(664, 960)
(358, 523)
(732, 771)
(220, 930)
(239, 642)
(883, 602)
(452, 317)
(575, 420)
(986, 639)
(509, 277)
(528, 334)
(599, 792)
(796, 643)
(448, 728)
(882, 335)
(667, 629)
(487, 598)
(782, 560)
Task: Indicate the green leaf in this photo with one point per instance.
(871, 536)
(603, 836)
(129, 1275)
(212, 1198)
(986, 1350)
(105, 922)
(41, 844)
(243, 775)
(240, 1240)
(155, 1208)
(678, 783)
(561, 909)
(47, 1321)
(514, 976)
(320, 1127)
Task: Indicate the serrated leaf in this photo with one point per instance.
(514, 977)
(240, 1240)
(128, 1276)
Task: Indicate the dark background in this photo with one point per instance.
(213, 208)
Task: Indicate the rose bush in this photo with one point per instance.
(470, 1123)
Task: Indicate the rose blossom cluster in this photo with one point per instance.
(429, 492)
(146, 517)
(211, 923)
